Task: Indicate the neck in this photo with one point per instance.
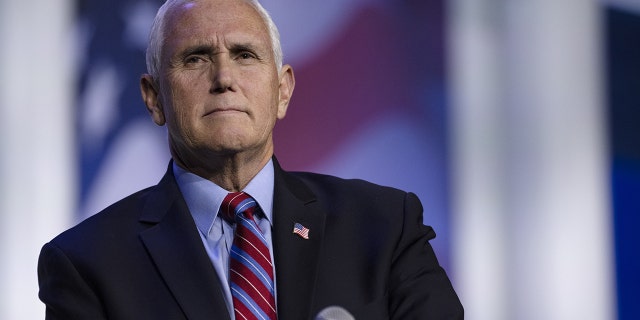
(232, 172)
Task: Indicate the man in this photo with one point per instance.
(217, 81)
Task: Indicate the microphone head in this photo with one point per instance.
(334, 313)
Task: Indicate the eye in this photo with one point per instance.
(191, 60)
(246, 55)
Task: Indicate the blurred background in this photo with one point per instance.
(516, 122)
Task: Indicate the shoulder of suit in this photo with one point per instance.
(125, 209)
(324, 182)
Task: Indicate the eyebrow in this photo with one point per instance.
(209, 50)
(197, 49)
(243, 46)
(239, 47)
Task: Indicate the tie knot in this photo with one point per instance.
(236, 203)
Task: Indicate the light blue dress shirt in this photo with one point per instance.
(204, 198)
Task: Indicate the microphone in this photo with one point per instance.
(334, 313)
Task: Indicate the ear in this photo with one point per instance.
(287, 83)
(149, 90)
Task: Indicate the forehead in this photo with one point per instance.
(213, 20)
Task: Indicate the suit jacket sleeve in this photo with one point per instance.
(419, 287)
(63, 290)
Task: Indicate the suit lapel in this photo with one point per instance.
(295, 257)
(176, 248)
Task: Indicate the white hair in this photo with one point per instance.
(157, 35)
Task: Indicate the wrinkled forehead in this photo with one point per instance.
(199, 17)
(213, 23)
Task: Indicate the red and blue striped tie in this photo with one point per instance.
(250, 267)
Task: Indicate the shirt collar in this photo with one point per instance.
(204, 197)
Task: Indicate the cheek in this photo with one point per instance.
(266, 97)
(185, 95)
(178, 113)
(268, 108)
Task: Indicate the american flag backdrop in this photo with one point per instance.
(516, 123)
(119, 149)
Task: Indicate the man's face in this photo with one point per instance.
(218, 90)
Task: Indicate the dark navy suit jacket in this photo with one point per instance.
(142, 257)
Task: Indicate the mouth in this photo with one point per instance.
(223, 111)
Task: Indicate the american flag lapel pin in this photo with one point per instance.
(301, 230)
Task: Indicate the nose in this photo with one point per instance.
(222, 76)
